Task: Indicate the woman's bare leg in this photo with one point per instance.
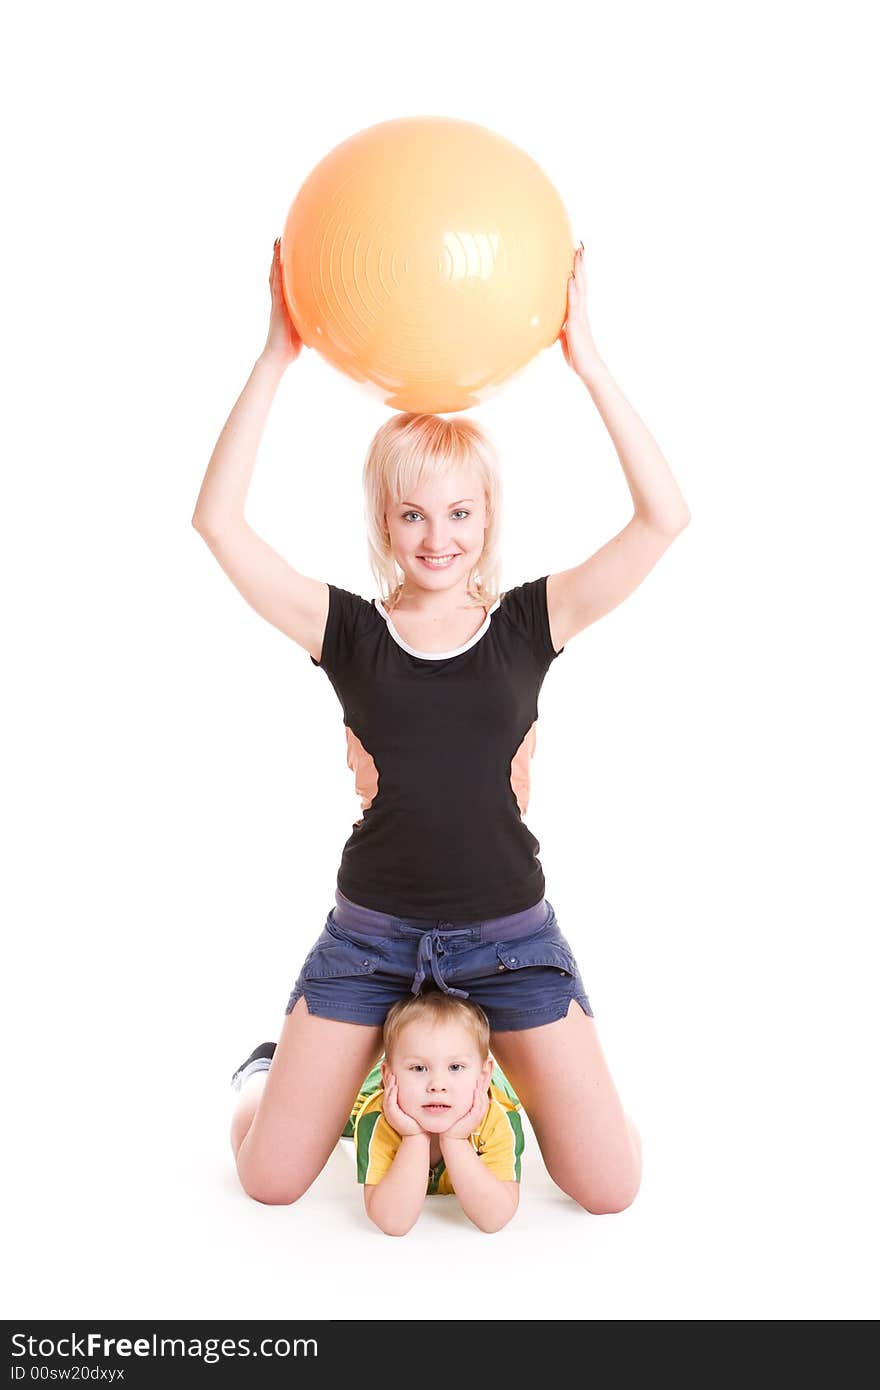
(592, 1149)
(289, 1118)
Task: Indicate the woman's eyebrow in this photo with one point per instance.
(421, 509)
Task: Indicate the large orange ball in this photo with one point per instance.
(427, 258)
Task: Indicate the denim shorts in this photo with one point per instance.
(520, 969)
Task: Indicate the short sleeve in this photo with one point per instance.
(348, 618)
(376, 1144)
(526, 608)
(502, 1143)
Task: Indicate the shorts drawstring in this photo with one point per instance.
(430, 949)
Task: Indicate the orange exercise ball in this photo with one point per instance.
(427, 258)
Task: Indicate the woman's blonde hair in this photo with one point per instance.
(433, 1006)
(407, 449)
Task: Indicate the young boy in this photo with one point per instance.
(437, 1116)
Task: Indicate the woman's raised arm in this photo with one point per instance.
(292, 602)
(228, 476)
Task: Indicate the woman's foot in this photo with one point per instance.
(259, 1060)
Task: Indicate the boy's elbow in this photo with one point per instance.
(391, 1228)
(489, 1225)
(489, 1229)
(388, 1224)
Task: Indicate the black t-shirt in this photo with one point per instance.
(440, 746)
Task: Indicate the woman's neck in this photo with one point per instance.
(431, 608)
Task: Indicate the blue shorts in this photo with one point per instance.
(520, 969)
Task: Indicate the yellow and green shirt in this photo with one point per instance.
(498, 1141)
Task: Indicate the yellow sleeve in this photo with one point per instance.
(500, 1141)
(376, 1143)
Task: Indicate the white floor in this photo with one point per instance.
(117, 1214)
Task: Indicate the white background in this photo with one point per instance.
(705, 782)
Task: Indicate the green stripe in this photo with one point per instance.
(518, 1141)
(365, 1129)
(373, 1079)
(500, 1080)
(371, 1083)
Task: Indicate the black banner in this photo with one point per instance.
(95, 1351)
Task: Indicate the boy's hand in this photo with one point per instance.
(398, 1119)
(469, 1123)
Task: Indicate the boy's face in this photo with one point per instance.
(438, 1069)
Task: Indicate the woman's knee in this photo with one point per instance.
(607, 1203)
(613, 1192)
(273, 1189)
(267, 1180)
(601, 1201)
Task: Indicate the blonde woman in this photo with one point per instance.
(440, 881)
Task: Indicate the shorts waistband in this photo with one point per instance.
(351, 916)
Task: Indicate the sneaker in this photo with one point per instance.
(259, 1060)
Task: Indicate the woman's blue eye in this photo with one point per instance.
(460, 511)
(417, 1066)
(456, 1066)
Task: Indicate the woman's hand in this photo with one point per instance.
(282, 340)
(398, 1119)
(470, 1123)
(575, 335)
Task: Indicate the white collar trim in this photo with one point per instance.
(435, 656)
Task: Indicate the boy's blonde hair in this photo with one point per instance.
(433, 1006)
(408, 448)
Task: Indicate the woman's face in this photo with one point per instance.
(446, 517)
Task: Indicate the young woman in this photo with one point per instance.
(438, 681)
